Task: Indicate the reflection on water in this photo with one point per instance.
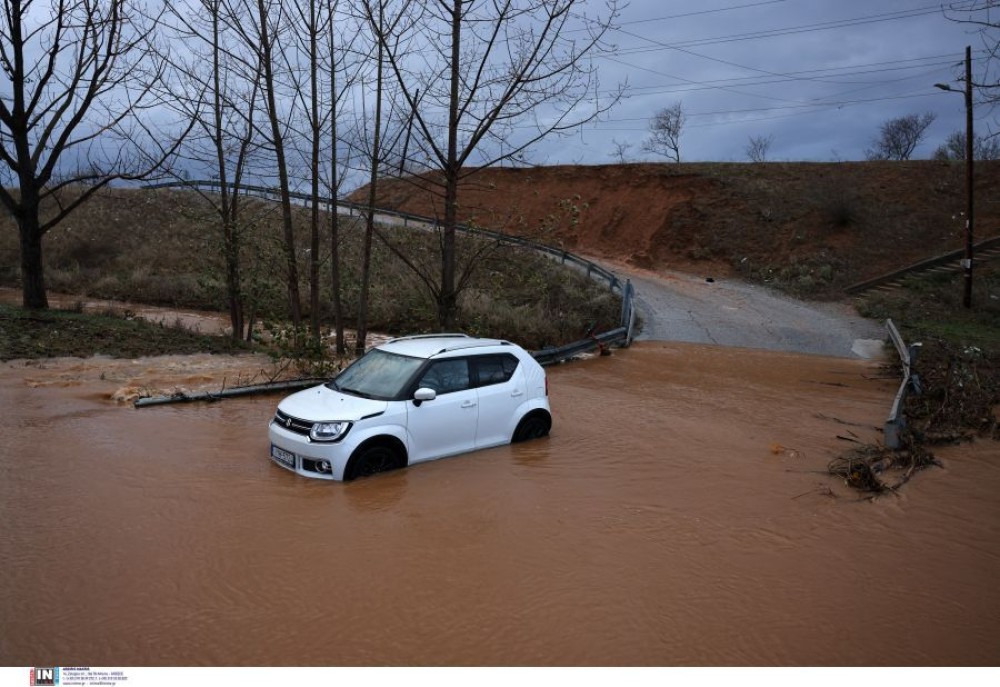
(659, 524)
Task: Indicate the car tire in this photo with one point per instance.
(533, 426)
(373, 459)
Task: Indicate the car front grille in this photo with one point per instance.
(292, 424)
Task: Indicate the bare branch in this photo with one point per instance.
(665, 130)
(899, 137)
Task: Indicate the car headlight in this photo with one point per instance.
(328, 431)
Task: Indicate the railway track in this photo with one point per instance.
(947, 263)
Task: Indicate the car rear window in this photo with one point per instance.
(494, 369)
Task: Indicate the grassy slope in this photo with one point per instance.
(54, 333)
(162, 248)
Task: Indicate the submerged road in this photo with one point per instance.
(677, 306)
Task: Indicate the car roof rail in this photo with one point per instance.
(475, 343)
(442, 335)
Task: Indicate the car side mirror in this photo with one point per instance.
(423, 394)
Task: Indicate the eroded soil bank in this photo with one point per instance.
(679, 514)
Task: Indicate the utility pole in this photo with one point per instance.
(969, 167)
(969, 176)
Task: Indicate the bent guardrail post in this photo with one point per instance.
(628, 320)
(626, 303)
(896, 422)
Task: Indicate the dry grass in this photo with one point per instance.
(164, 248)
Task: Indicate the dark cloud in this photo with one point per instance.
(819, 76)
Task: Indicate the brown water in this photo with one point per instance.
(679, 514)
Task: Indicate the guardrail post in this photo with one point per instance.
(896, 422)
(628, 311)
(624, 318)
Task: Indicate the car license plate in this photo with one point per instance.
(284, 457)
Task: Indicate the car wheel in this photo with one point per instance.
(373, 460)
(533, 426)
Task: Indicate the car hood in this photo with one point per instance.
(322, 403)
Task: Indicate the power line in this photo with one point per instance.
(804, 109)
(702, 12)
(785, 31)
(832, 75)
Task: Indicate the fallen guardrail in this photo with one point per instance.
(896, 422)
(187, 397)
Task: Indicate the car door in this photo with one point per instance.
(447, 424)
(502, 389)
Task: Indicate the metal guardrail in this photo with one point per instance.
(896, 422)
(622, 335)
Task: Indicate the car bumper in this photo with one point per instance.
(307, 458)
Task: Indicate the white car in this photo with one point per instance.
(410, 400)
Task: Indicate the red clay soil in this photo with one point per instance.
(810, 227)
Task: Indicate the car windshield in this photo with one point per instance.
(377, 374)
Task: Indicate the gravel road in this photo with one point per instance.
(676, 306)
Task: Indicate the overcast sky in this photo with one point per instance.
(819, 76)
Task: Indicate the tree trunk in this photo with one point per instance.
(362, 334)
(338, 310)
(447, 300)
(292, 277)
(314, 171)
(32, 269)
(234, 286)
(227, 212)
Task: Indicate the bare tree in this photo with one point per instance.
(337, 64)
(260, 26)
(982, 17)
(983, 147)
(314, 21)
(208, 88)
(324, 68)
(665, 132)
(375, 12)
(899, 137)
(490, 80)
(79, 77)
(619, 150)
(758, 148)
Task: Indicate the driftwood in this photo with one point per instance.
(863, 467)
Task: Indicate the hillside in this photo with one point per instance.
(163, 247)
(811, 228)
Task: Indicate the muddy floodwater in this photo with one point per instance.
(678, 515)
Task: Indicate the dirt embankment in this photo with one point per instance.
(812, 228)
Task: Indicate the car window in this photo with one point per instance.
(377, 374)
(446, 376)
(494, 369)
